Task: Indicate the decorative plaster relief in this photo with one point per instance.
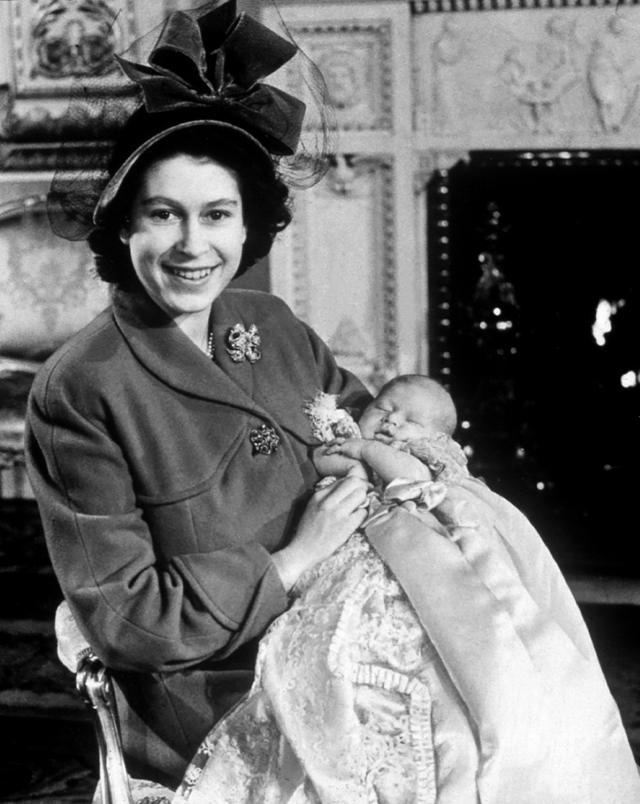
(69, 41)
(57, 42)
(567, 77)
(355, 60)
(342, 278)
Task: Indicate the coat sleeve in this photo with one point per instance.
(137, 613)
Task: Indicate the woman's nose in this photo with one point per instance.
(393, 417)
(193, 239)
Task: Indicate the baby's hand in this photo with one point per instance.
(347, 447)
(332, 463)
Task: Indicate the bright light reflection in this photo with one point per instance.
(629, 379)
(504, 324)
(496, 311)
(465, 425)
(468, 450)
(540, 486)
(604, 313)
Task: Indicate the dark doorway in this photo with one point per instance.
(535, 326)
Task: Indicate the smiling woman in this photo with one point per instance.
(167, 443)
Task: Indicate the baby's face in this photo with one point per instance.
(401, 413)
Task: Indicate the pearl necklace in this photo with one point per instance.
(210, 346)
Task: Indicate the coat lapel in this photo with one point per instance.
(161, 346)
(223, 317)
(269, 381)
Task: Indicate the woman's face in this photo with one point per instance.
(186, 232)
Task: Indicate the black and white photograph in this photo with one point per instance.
(319, 402)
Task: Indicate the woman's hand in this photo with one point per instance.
(331, 516)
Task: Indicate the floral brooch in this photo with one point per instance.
(243, 344)
(264, 440)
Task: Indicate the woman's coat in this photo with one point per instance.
(159, 513)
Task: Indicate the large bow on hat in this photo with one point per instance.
(217, 59)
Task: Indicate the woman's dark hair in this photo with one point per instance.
(265, 197)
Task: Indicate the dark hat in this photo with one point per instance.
(204, 70)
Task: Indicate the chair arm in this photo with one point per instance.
(95, 687)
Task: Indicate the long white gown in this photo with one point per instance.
(438, 657)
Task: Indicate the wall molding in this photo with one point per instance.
(419, 7)
(355, 57)
(361, 325)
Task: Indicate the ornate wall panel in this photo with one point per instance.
(353, 46)
(55, 42)
(355, 60)
(343, 265)
(59, 49)
(48, 291)
(538, 78)
(345, 231)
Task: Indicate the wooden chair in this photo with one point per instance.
(95, 686)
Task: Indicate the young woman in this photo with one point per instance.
(167, 443)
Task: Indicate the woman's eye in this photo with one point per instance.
(217, 214)
(162, 215)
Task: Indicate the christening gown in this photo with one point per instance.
(437, 657)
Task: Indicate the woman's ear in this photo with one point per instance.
(125, 234)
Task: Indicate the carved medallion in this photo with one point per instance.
(74, 38)
(342, 71)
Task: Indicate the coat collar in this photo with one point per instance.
(161, 346)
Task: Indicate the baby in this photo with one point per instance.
(436, 656)
(405, 432)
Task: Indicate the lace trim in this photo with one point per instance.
(420, 727)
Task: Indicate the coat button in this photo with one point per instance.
(264, 439)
